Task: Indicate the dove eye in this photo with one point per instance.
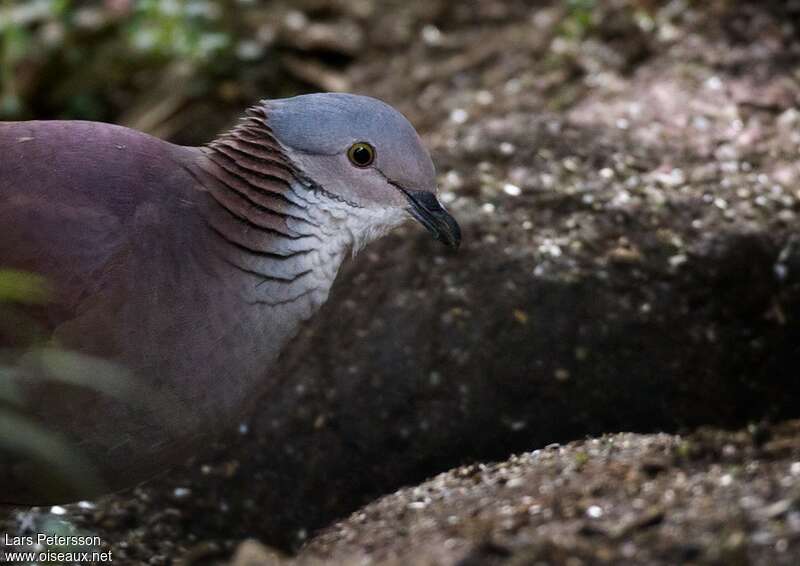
(361, 154)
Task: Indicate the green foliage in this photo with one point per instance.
(57, 464)
(579, 19)
(53, 459)
(9, 392)
(23, 287)
(78, 56)
(175, 29)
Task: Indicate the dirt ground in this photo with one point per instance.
(626, 175)
(708, 498)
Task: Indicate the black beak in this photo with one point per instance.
(427, 209)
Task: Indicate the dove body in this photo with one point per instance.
(178, 275)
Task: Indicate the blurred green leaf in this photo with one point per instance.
(579, 19)
(108, 378)
(63, 467)
(86, 371)
(23, 287)
(9, 392)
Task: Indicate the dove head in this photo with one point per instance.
(365, 155)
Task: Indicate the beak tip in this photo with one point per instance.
(427, 209)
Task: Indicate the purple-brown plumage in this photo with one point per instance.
(188, 268)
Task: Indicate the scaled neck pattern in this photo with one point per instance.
(272, 223)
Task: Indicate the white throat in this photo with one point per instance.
(333, 230)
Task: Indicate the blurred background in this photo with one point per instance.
(177, 68)
(183, 68)
(626, 173)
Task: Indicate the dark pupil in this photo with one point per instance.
(361, 155)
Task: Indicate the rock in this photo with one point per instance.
(589, 503)
(253, 553)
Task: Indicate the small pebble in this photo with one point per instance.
(595, 511)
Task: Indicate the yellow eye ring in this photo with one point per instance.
(361, 154)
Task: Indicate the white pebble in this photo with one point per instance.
(181, 492)
(595, 511)
(484, 97)
(507, 148)
(431, 35)
(459, 116)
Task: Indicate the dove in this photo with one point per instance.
(177, 275)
